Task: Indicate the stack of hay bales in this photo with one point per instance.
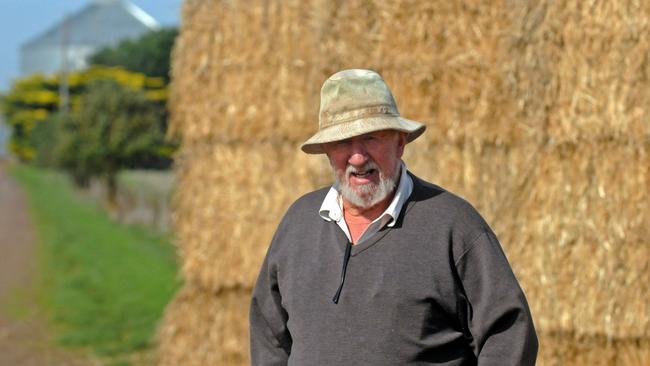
(537, 112)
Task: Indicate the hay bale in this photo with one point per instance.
(536, 111)
(205, 328)
(573, 219)
(580, 70)
(559, 349)
(267, 60)
(224, 212)
(586, 211)
(580, 77)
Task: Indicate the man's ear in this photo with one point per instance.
(401, 142)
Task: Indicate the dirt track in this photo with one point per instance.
(23, 340)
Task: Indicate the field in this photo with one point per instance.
(102, 285)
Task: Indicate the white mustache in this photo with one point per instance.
(365, 167)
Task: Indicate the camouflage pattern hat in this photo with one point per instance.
(354, 102)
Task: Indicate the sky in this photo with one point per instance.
(22, 20)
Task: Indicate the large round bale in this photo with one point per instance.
(537, 112)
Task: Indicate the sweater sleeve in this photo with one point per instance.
(270, 339)
(498, 316)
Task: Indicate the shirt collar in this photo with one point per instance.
(332, 209)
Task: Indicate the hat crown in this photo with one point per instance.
(353, 94)
(355, 102)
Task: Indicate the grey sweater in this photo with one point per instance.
(435, 289)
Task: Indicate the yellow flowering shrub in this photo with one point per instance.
(34, 98)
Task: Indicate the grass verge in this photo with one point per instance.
(103, 285)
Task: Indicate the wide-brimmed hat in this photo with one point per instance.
(354, 102)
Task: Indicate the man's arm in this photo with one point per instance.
(498, 315)
(270, 339)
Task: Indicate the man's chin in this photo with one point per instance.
(363, 189)
(361, 199)
(368, 194)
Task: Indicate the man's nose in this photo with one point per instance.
(358, 154)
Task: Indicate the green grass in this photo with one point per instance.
(103, 285)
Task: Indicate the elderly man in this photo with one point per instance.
(383, 268)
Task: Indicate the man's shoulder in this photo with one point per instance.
(434, 197)
(433, 193)
(308, 202)
(422, 186)
(302, 214)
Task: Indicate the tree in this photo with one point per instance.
(44, 138)
(148, 54)
(33, 99)
(29, 102)
(113, 126)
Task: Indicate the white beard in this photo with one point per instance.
(370, 194)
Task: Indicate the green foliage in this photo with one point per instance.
(33, 99)
(66, 152)
(104, 285)
(148, 54)
(44, 137)
(29, 102)
(113, 126)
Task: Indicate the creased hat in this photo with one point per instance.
(354, 102)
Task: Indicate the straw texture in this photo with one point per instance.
(537, 112)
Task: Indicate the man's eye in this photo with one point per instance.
(339, 144)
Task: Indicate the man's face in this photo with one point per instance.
(366, 167)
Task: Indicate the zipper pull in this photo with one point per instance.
(346, 259)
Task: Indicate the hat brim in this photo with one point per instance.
(359, 127)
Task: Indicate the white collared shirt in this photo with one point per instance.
(332, 208)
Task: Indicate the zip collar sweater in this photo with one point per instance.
(435, 289)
